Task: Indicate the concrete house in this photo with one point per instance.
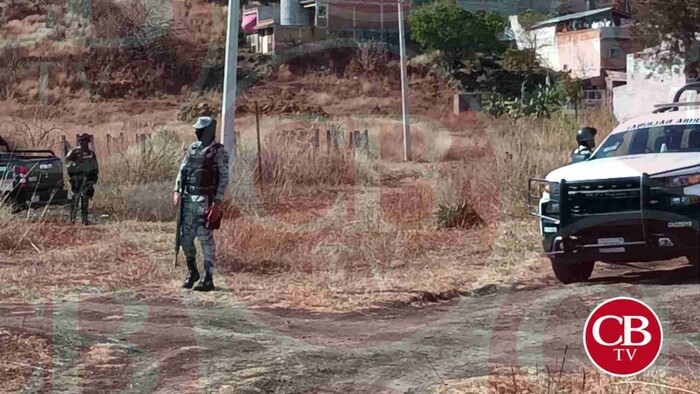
(648, 83)
(592, 45)
(292, 22)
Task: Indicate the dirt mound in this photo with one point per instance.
(131, 49)
(320, 93)
(191, 111)
(289, 106)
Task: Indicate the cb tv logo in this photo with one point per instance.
(623, 337)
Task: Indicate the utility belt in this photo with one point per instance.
(189, 191)
(198, 191)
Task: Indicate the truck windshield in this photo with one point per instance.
(661, 139)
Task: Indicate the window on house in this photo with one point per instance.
(322, 12)
(615, 53)
(592, 94)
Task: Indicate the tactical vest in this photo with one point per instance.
(201, 172)
(83, 164)
(582, 153)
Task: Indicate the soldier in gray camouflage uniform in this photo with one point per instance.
(203, 178)
(586, 144)
(83, 170)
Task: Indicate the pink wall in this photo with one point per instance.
(580, 52)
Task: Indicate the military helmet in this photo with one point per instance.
(84, 137)
(202, 122)
(586, 136)
(205, 129)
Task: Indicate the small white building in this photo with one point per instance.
(648, 83)
(253, 22)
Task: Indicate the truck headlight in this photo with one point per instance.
(552, 208)
(684, 180)
(680, 178)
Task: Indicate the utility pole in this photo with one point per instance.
(228, 111)
(404, 87)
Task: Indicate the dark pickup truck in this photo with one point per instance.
(31, 178)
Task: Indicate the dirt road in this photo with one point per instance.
(137, 344)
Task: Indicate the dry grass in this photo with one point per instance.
(43, 258)
(326, 229)
(532, 147)
(22, 355)
(503, 380)
(337, 231)
(344, 268)
(137, 183)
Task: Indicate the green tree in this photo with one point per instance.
(521, 60)
(456, 32)
(671, 28)
(571, 87)
(564, 8)
(529, 18)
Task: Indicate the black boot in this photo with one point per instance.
(193, 277)
(206, 284)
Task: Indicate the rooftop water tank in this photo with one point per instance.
(292, 13)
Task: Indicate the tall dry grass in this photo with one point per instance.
(137, 183)
(350, 223)
(533, 147)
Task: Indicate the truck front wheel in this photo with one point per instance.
(572, 272)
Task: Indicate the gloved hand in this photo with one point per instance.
(214, 212)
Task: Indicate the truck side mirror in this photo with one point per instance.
(577, 157)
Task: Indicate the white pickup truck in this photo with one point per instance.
(635, 199)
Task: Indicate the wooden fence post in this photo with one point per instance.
(316, 140)
(365, 140)
(328, 140)
(109, 144)
(143, 144)
(257, 131)
(63, 149)
(351, 141)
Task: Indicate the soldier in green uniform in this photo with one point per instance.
(201, 184)
(83, 170)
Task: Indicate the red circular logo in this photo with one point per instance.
(623, 336)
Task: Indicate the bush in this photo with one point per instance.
(541, 103)
(457, 216)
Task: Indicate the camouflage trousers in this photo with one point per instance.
(82, 192)
(193, 227)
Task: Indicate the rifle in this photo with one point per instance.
(181, 205)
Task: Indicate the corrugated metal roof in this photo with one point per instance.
(263, 24)
(579, 15)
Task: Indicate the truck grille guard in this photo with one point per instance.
(536, 197)
(566, 218)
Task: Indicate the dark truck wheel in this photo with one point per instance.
(572, 272)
